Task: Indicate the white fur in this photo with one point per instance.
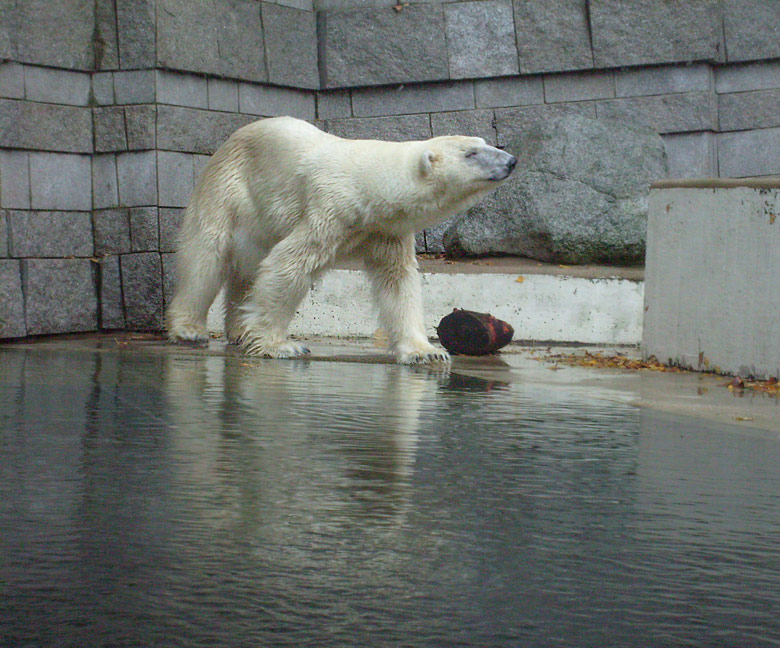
(281, 201)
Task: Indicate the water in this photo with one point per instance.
(172, 499)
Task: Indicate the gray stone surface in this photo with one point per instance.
(144, 229)
(134, 87)
(109, 129)
(223, 95)
(636, 32)
(142, 290)
(291, 46)
(111, 231)
(177, 178)
(221, 37)
(559, 88)
(137, 176)
(169, 276)
(136, 33)
(396, 129)
(382, 46)
(12, 322)
(691, 155)
(480, 39)
(661, 80)
(14, 180)
(45, 127)
(515, 121)
(105, 37)
(742, 77)
(49, 234)
(103, 88)
(11, 80)
(170, 222)
(8, 29)
(336, 104)
(747, 110)
(270, 101)
(552, 35)
(56, 86)
(60, 181)
(474, 123)
(105, 189)
(64, 39)
(112, 315)
(711, 297)
(752, 29)
(749, 153)
(674, 113)
(579, 195)
(182, 89)
(196, 131)
(60, 295)
(399, 100)
(3, 236)
(517, 91)
(141, 126)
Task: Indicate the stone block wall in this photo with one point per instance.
(110, 108)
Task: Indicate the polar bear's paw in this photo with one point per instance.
(421, 355)
(188, 335)
(263, 348)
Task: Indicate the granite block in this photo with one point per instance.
(691, 155)
(170, 223)
(222, 95)
(514, 121)
(752, 29)
(177, 178)
(134, 87)
(136, 33)
(49, 234)
(749, 110)
(3, 236)
(291, 46)
(109, 129)
(742, 77)
(640, 32)
(63, 40)
(111, 231)
(60, 181)
(270, 101)
(472, 123)
(105, 36)
(182, 89)
(399, 100)
(552, 35)
(144, 229)
(579, 86)
(142, 290)
(45, 127)
(60, 295)
(480, 39)
(14, 180)
(377, 46)
(137, 177)
(141, 125)
(11, 80)
(675, 113)
(749, 153)
(399, 128)
(105, 188)
(335, 104)
(517, 91)
(103, 88)
(659, 80)
(12, 322)
(196, 131)
(112, 315)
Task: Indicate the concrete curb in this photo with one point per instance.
(540, 307)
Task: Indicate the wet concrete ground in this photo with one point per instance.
(703, 395)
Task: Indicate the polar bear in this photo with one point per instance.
(281, 201)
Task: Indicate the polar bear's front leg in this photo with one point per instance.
(392, 268)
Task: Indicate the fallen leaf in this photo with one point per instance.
(743, 418)
(520, 279)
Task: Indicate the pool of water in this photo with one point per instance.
(169, 498)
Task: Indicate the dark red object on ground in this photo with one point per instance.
(468, 333)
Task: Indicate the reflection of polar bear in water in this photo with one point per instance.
(280, 201)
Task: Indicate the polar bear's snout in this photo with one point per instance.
(497, 164)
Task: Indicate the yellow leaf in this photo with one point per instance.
(520, 279)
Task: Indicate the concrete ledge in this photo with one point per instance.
(541, 302)
(712, 298)
(772, 182)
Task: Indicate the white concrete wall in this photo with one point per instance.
(539, 307)
(712, 278)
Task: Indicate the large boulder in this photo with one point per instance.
(579, 195)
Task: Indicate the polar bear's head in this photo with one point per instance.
(462, 170)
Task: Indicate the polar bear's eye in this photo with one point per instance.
(471, 153)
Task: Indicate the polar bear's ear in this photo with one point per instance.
(426, 162)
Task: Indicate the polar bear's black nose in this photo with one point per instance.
(512, 162)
